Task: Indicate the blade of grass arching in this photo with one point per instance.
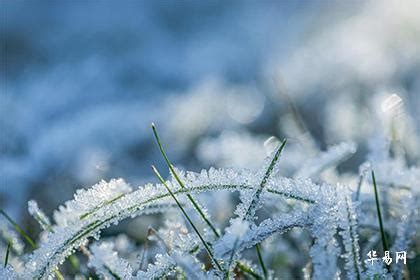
(188, 219)
(181, 184)
(260, 259)
(19, 229)
(6, 259)
(378, 208)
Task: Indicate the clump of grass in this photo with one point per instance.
(310, 206)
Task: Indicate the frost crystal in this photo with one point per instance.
(324, 251)
(376, 270)
(39, 215)
(107, 263)
(328, 213)
(8, 273)
(347, 221)
(163, 265)
(8, 234)
(256, 234)
(87, 201)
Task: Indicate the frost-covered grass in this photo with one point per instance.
(323, 230)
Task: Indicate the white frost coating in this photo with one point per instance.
(65, 239)
(163, 265)
(182, 248)
(251, 200)
(190, 266)
(321, 211)
(406, 230)
(177, 237)
(376, 270)
(256, 234)
(107, 263)
(7, 273)
(7, 233)
(330, 158)
(38, 215)
(324, 251)
(86, 200)
(148, 199)
(347, 221)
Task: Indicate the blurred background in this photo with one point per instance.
(81, 81)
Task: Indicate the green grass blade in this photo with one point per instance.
(58, 274)
(112, 273)
(248, 270)
(251, 209)
(19, 229)
(249, 213)
(261, 261)
(6, 259)
(188, 219)
(378, 208)
(96, 208)
(181, 184)
(27, 239)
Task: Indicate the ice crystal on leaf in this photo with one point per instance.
(332, 219)
(107, 263)
(39, 215)
(163, 265)
(8, 273)
(347, 221)
(85, 202)
(255, 234)
(325, 250)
